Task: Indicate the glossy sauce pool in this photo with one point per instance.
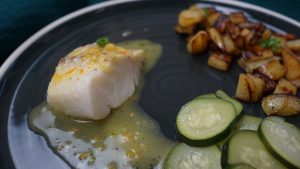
(127, 138)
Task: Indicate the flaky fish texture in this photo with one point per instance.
(91, 80)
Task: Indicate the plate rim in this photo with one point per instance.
(28, 42)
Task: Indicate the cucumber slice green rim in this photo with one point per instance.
(204, 96)
(282, 139)
(183, 156)
(239, 166)
(245, 147)
(237, 105)
(203, 122)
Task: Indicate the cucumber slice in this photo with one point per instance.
(282, 139)
(209, 95)
(246, 147)
(239, 166)
(248, 123)
(237, 105)
(206, 121)
(183, 156)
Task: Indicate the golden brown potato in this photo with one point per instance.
(245, 32)
(249, 37)
(281, 105)
(273, 69)
(267, 34)
(259, 87)
(216, 37)
(250, 88)
(287, 36)
(240, 42)
(292, 65)
(294, 45)
(229, 44)
(198, 43)
(233, 30)
(219, 61)
(221, 23)
(211, 19)
(285, 86)
(270, 84)
(255, 48)
(242, 91)
(266, 53)
(237, 17)
(181, 30)
(249, 65)
(190, 18)
(195, 7)
(255, 56)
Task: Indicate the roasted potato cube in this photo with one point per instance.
(255, 48)
(195, 7)
(233, 30)
(216, 37)
(250, 88)
(237, 17)
(181, 30)
(270, 84)
(229, 44)
(242, 90)
(221, 23)
(245, 32)
(249, 65)
(267, 34)
(294, 45)
(198, 43)
(281, 105)
(211, 19)
(249, 37)
(292, 65)
(219, 61)
(240, 42)
(257, 26)
(259, 87)
(190, 18)
(287, 36)
(266, 53)
(273, 69)
(285, 86)
(251, 56)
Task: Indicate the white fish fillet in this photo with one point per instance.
(91, 80)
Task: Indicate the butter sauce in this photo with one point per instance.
(127, 138)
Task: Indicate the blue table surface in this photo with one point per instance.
(20, 19)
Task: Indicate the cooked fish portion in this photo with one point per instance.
(91, 80)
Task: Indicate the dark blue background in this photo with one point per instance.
(19, 19)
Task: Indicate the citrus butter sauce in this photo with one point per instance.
(127, 138)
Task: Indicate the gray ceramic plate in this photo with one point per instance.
(175, 79)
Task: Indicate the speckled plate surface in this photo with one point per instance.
(176, 78)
